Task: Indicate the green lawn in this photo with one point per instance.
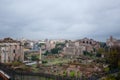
(56, 61)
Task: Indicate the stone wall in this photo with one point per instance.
(77, 47)
(10, 51)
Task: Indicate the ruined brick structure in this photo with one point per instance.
(77, 47)
(11, 50)
(112, 42)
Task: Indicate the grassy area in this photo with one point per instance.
(34, 68)
(56, 61)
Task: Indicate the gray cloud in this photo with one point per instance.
(73, 19)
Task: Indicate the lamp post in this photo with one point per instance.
(40, 56)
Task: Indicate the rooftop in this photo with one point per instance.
(8, 40)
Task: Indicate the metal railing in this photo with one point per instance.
(22, 75)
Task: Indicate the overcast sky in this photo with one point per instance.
(60, 19)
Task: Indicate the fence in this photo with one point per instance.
(21, 75)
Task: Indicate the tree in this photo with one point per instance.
(46, 53)
(100, 51)
(34, 58)
(106, 69)
(113, 57)
(55, 50)
(110, 77)
(103, 44)
(60, 45)
(40, 44)
(64, 73)
(86, 53)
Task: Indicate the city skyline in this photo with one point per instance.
(60, 19)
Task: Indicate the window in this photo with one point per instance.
(90, 42)
(14, 51)
(87, 42)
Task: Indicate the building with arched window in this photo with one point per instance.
(79, 46)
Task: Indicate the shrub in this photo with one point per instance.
(106, 69)
(78, 74)
(44, 62)
(64, 73)
(72, 74)
(16, 63)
